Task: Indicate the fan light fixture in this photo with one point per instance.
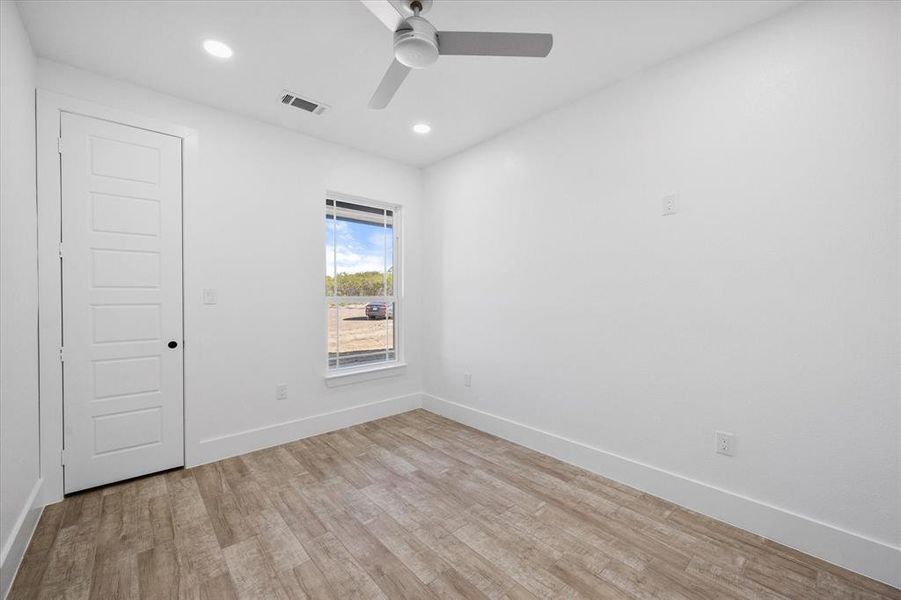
(418, 44)
(217, 49)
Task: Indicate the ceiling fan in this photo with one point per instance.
(417, 44)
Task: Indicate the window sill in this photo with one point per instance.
(349, 376)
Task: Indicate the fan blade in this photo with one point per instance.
(394, 76)
(386, 11)
(487, 43)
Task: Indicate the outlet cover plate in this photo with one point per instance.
(725, 443)
(670, 204)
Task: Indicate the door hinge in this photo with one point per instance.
(62, 354)
(60, 249)
(59, 145)
(63, 455)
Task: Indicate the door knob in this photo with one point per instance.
(173, 344)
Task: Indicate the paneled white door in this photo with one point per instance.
(122, 301)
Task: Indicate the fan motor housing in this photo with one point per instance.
(416, 43)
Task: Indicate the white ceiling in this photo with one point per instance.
(335, 51)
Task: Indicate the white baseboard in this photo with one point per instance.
(851, 551)
(213, 449)
(14, 549)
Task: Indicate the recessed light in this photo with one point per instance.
(217, 49)
(422, 128)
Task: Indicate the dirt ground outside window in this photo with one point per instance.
(358, 333)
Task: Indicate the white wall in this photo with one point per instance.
(767, 308)
(254, 230)
(19, 452)
(20, 473)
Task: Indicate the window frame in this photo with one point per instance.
(383, 368)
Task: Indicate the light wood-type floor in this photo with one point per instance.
(412, 506)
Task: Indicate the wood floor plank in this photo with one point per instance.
(644, 584)
(452, 585)
(691, 545)
(221, 504)
(570, 547)
(385, 569)
(273, 466)
(310, 458)
(585, 582)
(518, 592)
(115, 576)
(781, 574)
(410, 506)
(732, 582)
(346, 578)
(422, 560)
(35, 561)
(297, 514)
(125, 523)
(158, 572)
(254, 514)
(218, 588)
(602, 542)
(161, 527)
(70, 568)
(251, 573)
(306, 581)
(523, 564)
(489, 578)
(199, 554)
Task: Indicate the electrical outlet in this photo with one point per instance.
(281, 391)
(670, 204)
(725, 443)
(467, 379)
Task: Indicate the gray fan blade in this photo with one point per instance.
(386, 11)
(487, 43)
(394, 76)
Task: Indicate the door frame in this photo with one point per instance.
(48, 109)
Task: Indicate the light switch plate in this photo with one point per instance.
(209, 296)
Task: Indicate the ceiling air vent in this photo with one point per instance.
(292, 99)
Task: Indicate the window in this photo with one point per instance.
(361, 283)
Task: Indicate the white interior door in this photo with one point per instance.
(122, 301)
